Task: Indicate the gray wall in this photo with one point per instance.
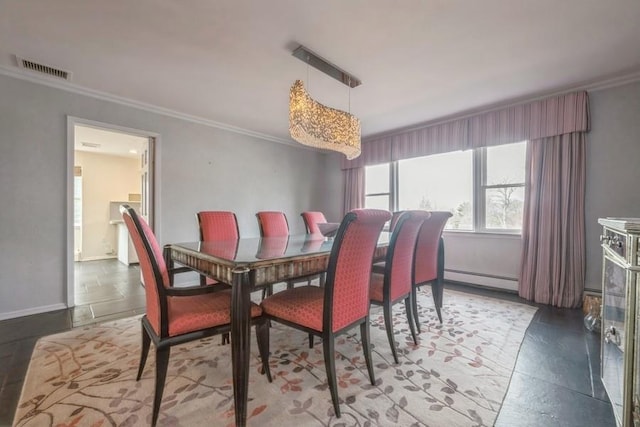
(199, 167)
(613, 166)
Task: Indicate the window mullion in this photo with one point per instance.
(479, 180)
(393, 186)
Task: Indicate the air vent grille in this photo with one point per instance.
(43, 69)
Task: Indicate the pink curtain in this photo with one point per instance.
(353, 189)
(553, 232)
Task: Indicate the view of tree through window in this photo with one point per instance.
(442, 182)
(483, 188)
(504, 186)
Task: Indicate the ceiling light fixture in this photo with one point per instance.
(316, 125)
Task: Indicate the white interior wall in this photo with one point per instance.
(105, 178)
(483, 259)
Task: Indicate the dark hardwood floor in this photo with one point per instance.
(555, 382)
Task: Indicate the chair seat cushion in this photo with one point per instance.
(193, 313)
(375, 288)
(302, 306)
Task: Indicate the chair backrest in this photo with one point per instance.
(272, 247)
(398, 277)
(311, 220)
(272, 224)
(395, 216)
(217, 225)
(346, 298)
(153, 267)
(429, 247)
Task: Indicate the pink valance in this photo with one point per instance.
(374, 152)
(451, 136)
(544, 118)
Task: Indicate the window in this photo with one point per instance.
(502, 186)
(483, 188)
(421, 186)
(377, 187)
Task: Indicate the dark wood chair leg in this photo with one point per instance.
(144, 352)
(436, 290)
(409, 310)
(330, 366)
(366, 348)
(225, 339)
(162, 362)
(388, 323)
(262, 334)
(311, 340)
(414, 306)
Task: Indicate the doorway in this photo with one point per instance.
(110, 166)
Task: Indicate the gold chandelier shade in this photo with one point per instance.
(316, 125)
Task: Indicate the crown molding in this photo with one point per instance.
(70, 87)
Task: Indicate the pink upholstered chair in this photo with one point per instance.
(394, 220)
(175, 315)
(343, 303)
(217, 226)
(429, 262)
(311, 220)
(275, 224)
(272, 224)
(397, 282)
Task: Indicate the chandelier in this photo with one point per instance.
(316, 125)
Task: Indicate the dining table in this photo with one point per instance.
(249, 264)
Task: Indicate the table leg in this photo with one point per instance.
(240, 341)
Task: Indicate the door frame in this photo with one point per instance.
(154, 139)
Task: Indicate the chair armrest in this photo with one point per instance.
(191, 291)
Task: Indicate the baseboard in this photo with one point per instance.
(33, 310)
(98, 258)
(485, 281)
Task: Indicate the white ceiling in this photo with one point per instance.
(104, 141)
(229, 61)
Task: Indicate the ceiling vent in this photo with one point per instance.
(43, 69)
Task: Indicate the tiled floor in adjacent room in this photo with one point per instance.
(555, 381)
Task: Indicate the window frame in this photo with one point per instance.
(391, 194)
(479, 193)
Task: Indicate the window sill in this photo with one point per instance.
(489, 234)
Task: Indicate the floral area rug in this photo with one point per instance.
(458, 375)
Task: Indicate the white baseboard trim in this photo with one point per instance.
(98, 258)
(33, 310)
(490, 282)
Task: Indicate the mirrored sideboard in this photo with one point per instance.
(620, 353)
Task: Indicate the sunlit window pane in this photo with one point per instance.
(377, 202)
(377, 179)
(504, 208)
(442, 182)
(505, 164)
